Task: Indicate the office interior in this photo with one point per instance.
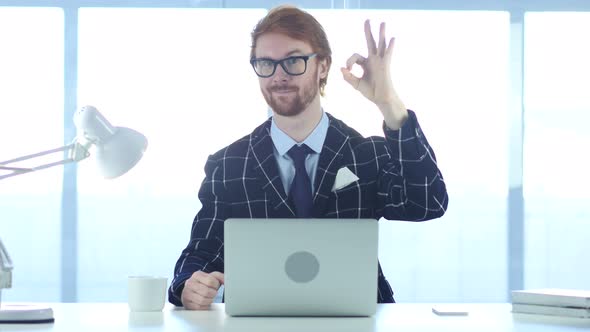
(500, 89)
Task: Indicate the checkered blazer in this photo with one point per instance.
(398, 180)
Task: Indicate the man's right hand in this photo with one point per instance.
(200, 290)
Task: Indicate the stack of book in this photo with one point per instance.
(556, 302)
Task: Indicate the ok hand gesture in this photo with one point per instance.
(376, 84)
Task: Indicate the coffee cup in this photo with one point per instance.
(146, 293)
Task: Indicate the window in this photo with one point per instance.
(183, 79)
(31, 113)
(451, 68)
(557, 111)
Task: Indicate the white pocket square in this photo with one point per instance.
(344, 177)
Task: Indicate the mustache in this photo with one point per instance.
(281, 88)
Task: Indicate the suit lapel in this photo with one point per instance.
(329, 163)
(266, 170)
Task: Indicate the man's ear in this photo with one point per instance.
(324, 67)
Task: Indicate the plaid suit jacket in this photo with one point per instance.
(398, 180)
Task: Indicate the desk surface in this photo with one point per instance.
(389, 317)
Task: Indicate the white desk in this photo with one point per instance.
(390, 317)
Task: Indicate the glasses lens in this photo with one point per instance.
(294, 65)
(264, 67)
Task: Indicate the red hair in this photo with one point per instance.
(297, 24)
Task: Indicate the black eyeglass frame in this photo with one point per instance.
(281, 62)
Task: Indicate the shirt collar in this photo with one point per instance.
(315, 140)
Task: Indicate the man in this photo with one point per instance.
(291, 165)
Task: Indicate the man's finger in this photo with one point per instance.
(194, 296)
(191, 283)
(350, 78)
(192, 300)
(209, 281)
(390, 48)
(198, 307)
(205, 291)
(195, 305)
(197, 275)
(355, 58)
(202, 301)
(382, 46)
(370, 40)
(219, 276)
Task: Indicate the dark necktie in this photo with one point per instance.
(300, 192)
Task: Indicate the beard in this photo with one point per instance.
(291, 105)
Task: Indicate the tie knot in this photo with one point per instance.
(298, 153)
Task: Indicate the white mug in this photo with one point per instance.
(146, 293)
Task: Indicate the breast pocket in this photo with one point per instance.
(352, 201)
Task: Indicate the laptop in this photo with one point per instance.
(301, 267)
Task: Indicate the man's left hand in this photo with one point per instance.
(376, 84)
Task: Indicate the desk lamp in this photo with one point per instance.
(117, 150)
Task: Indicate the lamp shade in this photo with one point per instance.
(120, 152)
(118, 149)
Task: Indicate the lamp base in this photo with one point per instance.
(25, 314)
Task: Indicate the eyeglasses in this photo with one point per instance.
(293, 65)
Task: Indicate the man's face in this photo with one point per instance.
(286, 94)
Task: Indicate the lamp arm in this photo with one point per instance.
(76, 152)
